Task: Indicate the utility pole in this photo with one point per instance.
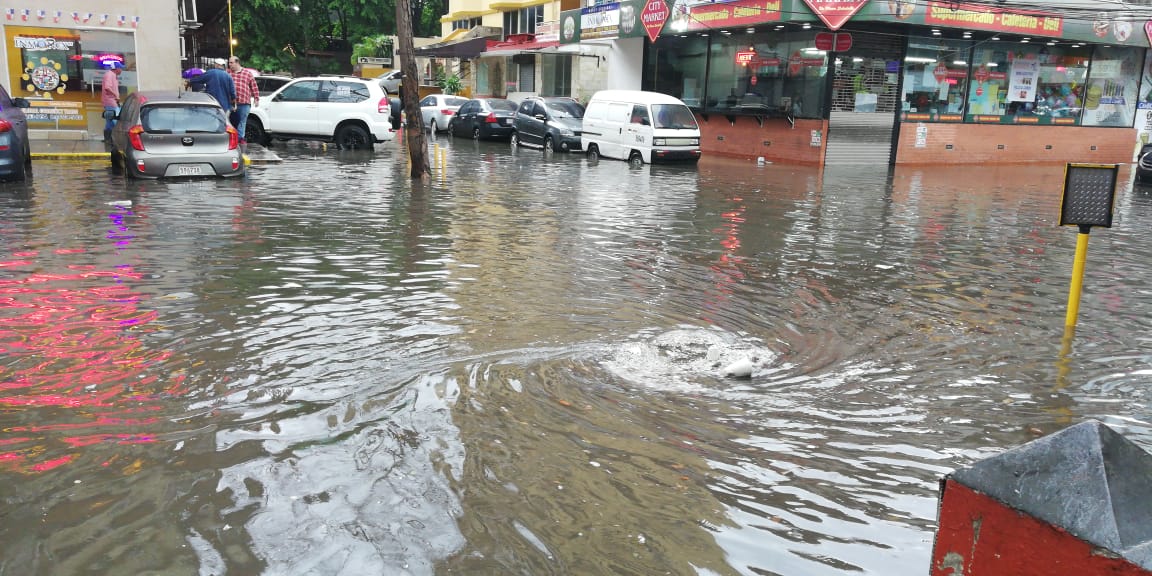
(410, 92)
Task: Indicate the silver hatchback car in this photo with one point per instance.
(174, 134)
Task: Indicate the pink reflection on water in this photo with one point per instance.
(73, 372)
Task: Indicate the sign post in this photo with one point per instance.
(1089, 193)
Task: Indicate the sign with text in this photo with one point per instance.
(692, 15)
(653, 16)
(600, 21)
(833, 41)
(835, 13)
(985, 18)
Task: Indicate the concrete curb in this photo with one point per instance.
(69, 155)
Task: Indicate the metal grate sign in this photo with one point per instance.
(1089, 192)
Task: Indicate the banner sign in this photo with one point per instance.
(985, 18)
(693, 15)
(834, 13)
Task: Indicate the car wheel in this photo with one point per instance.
(353, 137)
(27, 158)
(515, 140)
(21, 172)
(475, 132)
(593, 153)
(635, 159)
(548, 146)
(452, 127)
(254, 132)
(432, 126)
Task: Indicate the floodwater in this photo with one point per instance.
(519, 367)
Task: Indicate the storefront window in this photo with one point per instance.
(676, 66)
(1112, 84)
(935, 80)
(59, 71)
(763, 73)
(1028, 84)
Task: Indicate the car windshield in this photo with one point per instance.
(180, 119)
(565, 109)
(452, 101)
(505, 105)
(674, 116)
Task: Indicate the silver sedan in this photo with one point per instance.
(437, 110)
(169, 134)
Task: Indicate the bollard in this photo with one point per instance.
(1075, 502)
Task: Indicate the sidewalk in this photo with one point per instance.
(43, 149)
(67, 149)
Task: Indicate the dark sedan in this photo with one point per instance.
(484, 118)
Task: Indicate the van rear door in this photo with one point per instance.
(618, 117)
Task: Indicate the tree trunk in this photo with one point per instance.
(410, 91)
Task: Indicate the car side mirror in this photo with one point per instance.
(108, 115)
(21, 103)
(540, 117)
(645, 122)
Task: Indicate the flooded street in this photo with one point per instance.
(519, 368)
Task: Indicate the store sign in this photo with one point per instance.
(691, 15)
(600, 21)
(654, 15)
(979, 17)
(54, 111)
(835, 13)
(743, 58)
(43, 43)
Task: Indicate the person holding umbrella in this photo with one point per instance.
(110, 95)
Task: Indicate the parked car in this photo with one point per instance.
(436, 110)
(390, 81)
(351, 112)
(1144, 164)
(270, 83)
(640, 127)
(174, 133)
(484, 118)
(551, 123)
(15, 156)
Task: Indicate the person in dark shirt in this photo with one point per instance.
(218, 83)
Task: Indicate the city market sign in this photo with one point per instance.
(653, 16)
(834, 13)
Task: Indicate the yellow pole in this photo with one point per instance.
(231, 38)
(1077, 278)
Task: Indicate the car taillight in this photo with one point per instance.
(233, 138)
(5, 126)
(491, 118)
(134, 137)
(383, 106)
(235, 163)
(446, 112)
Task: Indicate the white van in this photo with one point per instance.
(640, 127)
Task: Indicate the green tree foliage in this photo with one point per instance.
(278, 35)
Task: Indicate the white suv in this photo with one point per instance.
(352, 112)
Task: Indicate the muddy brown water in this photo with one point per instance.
(518, 368)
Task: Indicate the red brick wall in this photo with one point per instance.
(980, 144)
(776, 140)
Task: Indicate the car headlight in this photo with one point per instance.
(695, 141)
(565, 132)
(659, 142)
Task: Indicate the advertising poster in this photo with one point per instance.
(1022, 79)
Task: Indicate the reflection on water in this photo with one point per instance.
(520, 366)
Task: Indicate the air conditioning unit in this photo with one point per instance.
(188, 11)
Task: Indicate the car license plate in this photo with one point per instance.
(188, 170)
(505, 121)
